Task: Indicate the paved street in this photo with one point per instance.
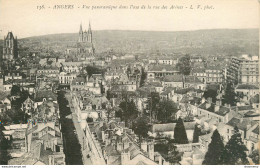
(78, 131)
(72, 148)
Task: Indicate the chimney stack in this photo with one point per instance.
(125, 158)
(151, 150)
(144, 146)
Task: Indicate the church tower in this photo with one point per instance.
(85, 46)
(10, 50)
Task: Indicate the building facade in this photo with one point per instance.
(243, 70)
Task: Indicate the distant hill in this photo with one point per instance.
(204, 42)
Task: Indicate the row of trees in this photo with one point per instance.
(233, 153)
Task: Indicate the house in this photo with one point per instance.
(121, 148)
(78, 83)
(48, 71)
(10, 75)
(16, 134)
(155, 71)
(167, 130)
(193, 81)
(5, 100)
(252, 138)
(254, 101)
(8, 86)
(44, 146)
(44, 95)
(200, 73)
(245, 126)
(215, 111)
(246, 91)
(72, 66)
(173, 81)
(214, 74)
(67, 78)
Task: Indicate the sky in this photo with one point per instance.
(24, 19)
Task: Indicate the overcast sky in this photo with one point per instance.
(24, 20)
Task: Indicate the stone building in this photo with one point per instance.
(10, 48)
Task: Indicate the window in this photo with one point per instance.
(227, 130)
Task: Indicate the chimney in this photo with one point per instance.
(219, 102)
(125, 158)
(209, 99)
(125, 145)
(103, 135)
(144, 146)
(151, 150)
(203, 100)
(216, 108)
(119, 146)
(160, 159)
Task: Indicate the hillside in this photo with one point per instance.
(204, 42)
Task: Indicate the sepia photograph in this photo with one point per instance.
(120, 82)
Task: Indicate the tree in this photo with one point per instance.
(4, 145)
(141, 127)
(166, 111)
(210, 93)
(215, 150)
(143, 77)
(184, 65)
(196, 134)
(15, 90)
(230, 95)
(128, 111)
(180, 135)
(174, 156)
(94, 70)
(153, 103)
(235, 151)
(255, 156)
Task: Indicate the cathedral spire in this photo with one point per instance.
(89, 27)
(80, 28)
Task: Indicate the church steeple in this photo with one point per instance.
(89, 33)
(80, 28)
(80, 33)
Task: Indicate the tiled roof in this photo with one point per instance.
(71, 63)
(173, 78)
(247, 86)
(170, 127)
(45, 94)
(243, 108)
(222, 109)
(256, 130)
(192, 79)
(162, 68)
(79, 80)
(184, 91)
(255, 99)
(241, 124)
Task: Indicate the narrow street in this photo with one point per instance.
(72, 147)
(78, 130)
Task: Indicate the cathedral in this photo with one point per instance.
(84, 44)
(10, 50)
